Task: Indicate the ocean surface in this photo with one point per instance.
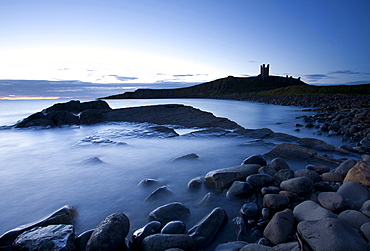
(43, 169)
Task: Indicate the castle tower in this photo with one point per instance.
(265, 71)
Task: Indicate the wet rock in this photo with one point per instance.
(289, 246)
(249, 210)
(344, 167)
(162, 132)
(212, 132)
(353, 218)
(160, 193)
(205, 231)
(316, 144)
(110, 234)
(239, 188)
(354, 193)
(292, 196)
(320, 169)
(311, 211)
(314, 176)
(255, 133)
(267, 170)
(195, 183)
(260, 180)
(160, 242)
(231, 246)
(365, 230)
(209, 199)
(174, 227)
(243, 231)
(365, 209)
(82, 239)
(270, 189)
(283, 174)
(334, 202)
(140, 234)
(255, 159)
(191, 156)
(301, 185)
(148, 182)
(332, 177)
(291, 151)
(255, 247)
(324, 187)
(92, 161)
(52, 237)
(169, 212)
(366, 157)
(223, 178)
(360, 174)
(64, 215)
(280, 227)
(331, 234)
(278, 164)
(275, 201)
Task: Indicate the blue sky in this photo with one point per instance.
(177, 43)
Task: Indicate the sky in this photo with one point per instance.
(96, 48)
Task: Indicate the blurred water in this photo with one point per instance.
(41, 170)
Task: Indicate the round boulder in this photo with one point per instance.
(353, 218)
(174, 227)
(169, 212)
(280, 227)
(260, 180)
(334, 202)
(300, 185)
(160, 242)
(255, 159)
(275, 201)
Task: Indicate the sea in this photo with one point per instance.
(42, 170)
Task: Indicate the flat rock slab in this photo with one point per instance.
(291, 151)
(310, 210)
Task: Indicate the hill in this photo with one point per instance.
(219, 87)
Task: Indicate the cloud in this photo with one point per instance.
(183, 75)
(350, 72)
(316, 77)
(122, 78)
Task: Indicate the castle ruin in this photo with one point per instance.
(264, 72)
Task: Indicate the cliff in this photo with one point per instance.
(223, 86)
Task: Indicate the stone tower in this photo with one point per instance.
(264, 71)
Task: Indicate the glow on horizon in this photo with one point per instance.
(15, 97)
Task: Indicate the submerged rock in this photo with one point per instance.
(170, 212)
(160, 193)
(291, 151)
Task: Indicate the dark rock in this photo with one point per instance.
(353, 218)
(256, 247)
(163, 132)
(365, 230)
(278, 164)
(314, 176)
(169, 212)
(209, 200)
(160, 242)
(231, 246)
(283, 174)
(110, 234)
(320, 169)
(311, 211)
(324, 187)
(289, 246)
(205, 231)
(334, 202)
(75, 106)
(195, 183)
(267, 170)
(243, 231)
(331, 234)
(354, 193)
(255, 133)
(174, 227)
(140, 234)
(291, 195)
(260, 180)
(52, 237)
(223, 178)
(82, 239)
(365, 209)
(301, 185)
(315, 144)
(92, 161)
(64, 215)
(282, 137)
(212, 132)
(190, 156)
(61, 118)
(291, 151)
(148, 182)
(280, 227)
(344, 167)
(249, 210)
(255, 159)
(275, 201)
(332, 177)
(270, 189)
(239, 188)
(162, 192)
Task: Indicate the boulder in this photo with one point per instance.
(331, 234)
(249, 210)
(223, 178)
(291, 151)
(195, 183)
(283, 174)
(301, 185)
(148, 182)
(334, 202)
(314, 176)
(325, 187)
(205, 231)
(344, 167)
(267, 170)
(160, 242)
(260, 180)
(52, 237)
(311, 211)
(353, 218)
(239, 188)
(110, 234)
(244, 232)
(365, 209)
(289, 246)
(354, 193)
(316, 144)
(82, 239)
(169, 212)
(174, 227)
(162, 192)
(190, 156)
(256, 247)
(231, 246)
(275, 201)
(360, 174)
(365, 230)
(255, 159)
(332, 177)
(64, 215)
(280, 227)
(320, 169)
(278, 164)
(140, 234)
